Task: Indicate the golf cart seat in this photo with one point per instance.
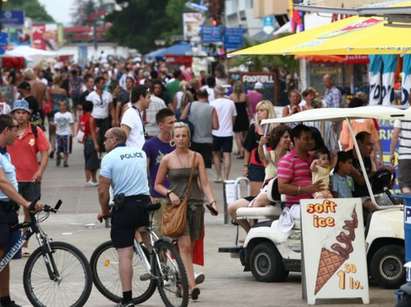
(269, 212)
(272, 211)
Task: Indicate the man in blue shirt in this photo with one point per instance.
(10, 200)
(125, 169)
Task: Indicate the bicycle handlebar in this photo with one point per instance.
(46, 208)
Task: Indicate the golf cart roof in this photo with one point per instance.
(377, 112)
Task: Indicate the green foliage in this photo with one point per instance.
(32, 9)
(144, 21)
(258, 62)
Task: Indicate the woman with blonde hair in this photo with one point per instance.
(176, 167)
(254, 168)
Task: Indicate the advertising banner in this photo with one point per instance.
(37, 36)
(375, 70)
(269, 82)
(334, 254)
(406, 80)
(192, 23)
(388, 78)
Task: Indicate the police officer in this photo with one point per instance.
(10, 200)
(125, 169)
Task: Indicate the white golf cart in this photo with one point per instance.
(270, 254)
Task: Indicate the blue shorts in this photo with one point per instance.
(64, 143)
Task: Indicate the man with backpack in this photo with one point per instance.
(30, 141)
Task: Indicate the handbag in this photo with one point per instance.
(174, 218)
(80, 136)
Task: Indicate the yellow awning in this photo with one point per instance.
(350, 36)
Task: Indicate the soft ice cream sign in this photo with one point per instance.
(334, 253)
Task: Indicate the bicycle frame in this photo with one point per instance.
(32, 228)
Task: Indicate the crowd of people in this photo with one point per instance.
(148, 130)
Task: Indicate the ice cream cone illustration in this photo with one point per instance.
(331, 259)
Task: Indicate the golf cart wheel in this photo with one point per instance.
(267, 264)
(387, 266)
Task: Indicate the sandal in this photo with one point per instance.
(195, 292)
(25, 252)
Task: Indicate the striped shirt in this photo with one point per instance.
(404, 148)
(296, 171)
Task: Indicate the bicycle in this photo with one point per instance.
(158, 265)
(58, 282)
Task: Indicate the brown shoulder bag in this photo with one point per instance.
(174, 218)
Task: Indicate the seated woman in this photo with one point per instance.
(279, 142)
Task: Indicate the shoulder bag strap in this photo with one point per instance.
(190, 180)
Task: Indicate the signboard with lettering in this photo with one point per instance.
(14, 18)
(210, 34)
(233, 38)
(268, 80)
(334, 254)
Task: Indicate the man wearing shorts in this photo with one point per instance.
(10, 200)
(125, 169)
(29, 155)
(223, 136)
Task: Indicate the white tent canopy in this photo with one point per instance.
(378, 112)
(31, 54)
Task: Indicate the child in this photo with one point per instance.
(92, 162)
(321, 168)
(63, 120)
(342, 183)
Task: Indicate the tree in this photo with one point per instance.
(31, 8)
(144, 21)
(81, 12)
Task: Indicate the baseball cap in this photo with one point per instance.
(258, 86)
(21, 105)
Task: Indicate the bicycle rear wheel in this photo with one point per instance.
(104, 266)
(72, 288)
(173, 286)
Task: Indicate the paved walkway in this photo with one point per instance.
(226, 284)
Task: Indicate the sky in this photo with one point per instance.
(59, 9)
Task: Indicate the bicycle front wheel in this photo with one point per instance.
(172, 281)
(69, 285)
(104, 265)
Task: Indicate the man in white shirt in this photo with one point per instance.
(132, 120)
(223, 137)
(156, 105)
(102, 108)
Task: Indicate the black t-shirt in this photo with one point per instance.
(361, 190)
